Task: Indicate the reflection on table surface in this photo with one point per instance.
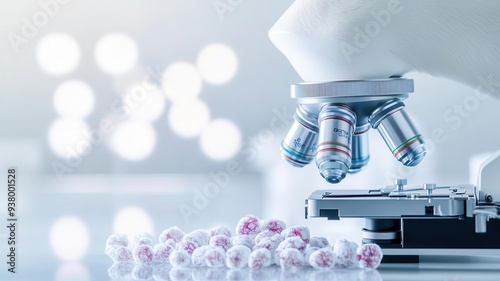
(128, 271)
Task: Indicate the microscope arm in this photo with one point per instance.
(347, 51)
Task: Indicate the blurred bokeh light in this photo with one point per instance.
(68, 137)
(221, 139)
(74, 99)
(181, 81)
(145, 104)
(131, 221)
(58, 54)
(69, 238)
(217, 63)
(134, 140)
(188, 118)
(116, 53)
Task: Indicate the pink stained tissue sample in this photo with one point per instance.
(259, 258)
(143, 254)
(122, 254)
(244, 240)
(215, 257)
(173, 232)
(297, 231)
(292, 243)
(291, 258)
(188, 245)
(264, 234)
(220, 230)
(322, 259)
(237, 256)
(221, 241)
(248, 225)
(199, 236)
(171, 242)
(144, 241)
(139, 239)
(319, 242)
(270, 243)
(273, 225)
(369, 255)
(162, 252)
(198, 256)
(307, 253)
(257, 244)
(110, 251)
(179, 258)
(345, 254)
(117, 239)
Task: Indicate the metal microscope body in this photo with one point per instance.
(423, 220)
(331, 125)
(332, 122)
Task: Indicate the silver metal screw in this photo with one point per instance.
(429, 187)
(400, 183)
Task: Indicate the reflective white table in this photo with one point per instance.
(103, 269)
(435, 270)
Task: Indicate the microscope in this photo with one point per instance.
(331, 125)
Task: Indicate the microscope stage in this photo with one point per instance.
(412, 222)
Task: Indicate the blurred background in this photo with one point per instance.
(135, 116)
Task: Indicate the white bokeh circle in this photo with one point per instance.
(188, 118)
(181, 81)
(69, 238)
(217, 63)
(74, 99)
(145, 103)
(116, 53)
(58, 54)
(133, 220)
(134, 140)
(221, 140)
(67, 136)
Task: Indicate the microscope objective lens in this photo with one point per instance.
(360, 148)
(299, 146)
(398, 132)
(333, 158)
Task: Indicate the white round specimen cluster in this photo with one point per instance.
(256, 244)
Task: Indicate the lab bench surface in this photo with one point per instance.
(105, 270)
